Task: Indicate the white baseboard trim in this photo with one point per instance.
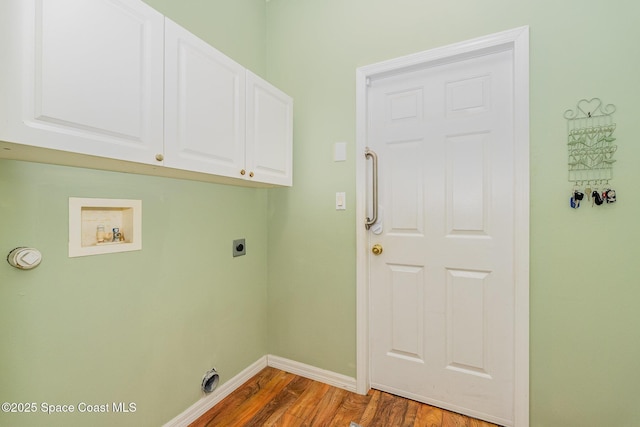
(198, 409)
(313, 373)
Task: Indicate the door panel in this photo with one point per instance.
(466, 309)
(405, 184)
(467, 184)
(406, 305)
(442, 291)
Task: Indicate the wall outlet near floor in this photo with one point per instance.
(239, 247)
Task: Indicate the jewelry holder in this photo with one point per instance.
(590, 145)
(590, 130)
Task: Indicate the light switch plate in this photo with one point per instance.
(341, 201)
(339, 151)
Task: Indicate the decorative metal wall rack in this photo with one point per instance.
(590, 145)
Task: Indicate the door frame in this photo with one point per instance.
(517, 41)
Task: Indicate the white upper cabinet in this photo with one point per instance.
(117, 81)
(269, 132)
(204, 106)
(221, 118)
(84, 77)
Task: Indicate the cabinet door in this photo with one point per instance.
(85, 77)
(204, 106)
(269, 132)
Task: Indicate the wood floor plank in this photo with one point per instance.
(451, 419)
(308, 401)
(411, 413)
(270, 414)
(390, 412)
(429, 416)
(240, 395)
(370, 411)
(328, 406)
(241, 414)
(274, 398)
(288, 420)
(352, 409)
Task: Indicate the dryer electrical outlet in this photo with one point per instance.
(239, 247)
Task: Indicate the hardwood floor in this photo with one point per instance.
(277, 398)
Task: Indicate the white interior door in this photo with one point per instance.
(442, 292)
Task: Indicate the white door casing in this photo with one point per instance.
(443, 312)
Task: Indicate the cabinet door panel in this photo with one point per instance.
(91, 78)
(204, 106)
(269, 132)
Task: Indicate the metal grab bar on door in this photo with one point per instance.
(370, 221)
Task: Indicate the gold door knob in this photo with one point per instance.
(376, 249)
(251, 174)
(242, 172)
(159, 157)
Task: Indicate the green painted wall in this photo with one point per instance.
(237, 28)
(141, 326)
(585, 340)
(138, 327)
